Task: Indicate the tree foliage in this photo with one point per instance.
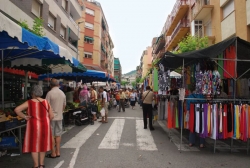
(124, 83)
(133, 84)
(37, 27)
(191, 43)
(138, 80)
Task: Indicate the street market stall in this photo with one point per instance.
(21, 49)
(225, 65)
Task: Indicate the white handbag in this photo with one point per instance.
(102, 112)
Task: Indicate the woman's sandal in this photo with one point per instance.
(41, 166)
(49, 156)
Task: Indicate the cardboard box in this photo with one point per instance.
(2, 117)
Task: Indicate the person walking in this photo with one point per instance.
(147, 99)
(93, 99)
(133, 96)
(122, 100)
(38, 136)
(57, 100)
(104, 104)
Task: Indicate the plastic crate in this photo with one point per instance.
(2, 126)
(8, 142)
(21, 122)
(11, 123)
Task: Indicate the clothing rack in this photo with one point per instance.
(215, 141)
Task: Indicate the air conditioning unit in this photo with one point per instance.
(50, 26)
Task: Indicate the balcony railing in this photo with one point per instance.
(182, 24)
(74, 23)
(72, 47)
(199, 4)
(174, 11)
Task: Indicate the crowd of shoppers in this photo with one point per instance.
(44, 116)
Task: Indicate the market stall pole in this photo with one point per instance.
(2, 81)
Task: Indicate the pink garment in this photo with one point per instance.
(84, 94)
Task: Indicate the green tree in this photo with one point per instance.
(138, 80)
(191, 43)
(24, 24)
(124, 83)
(37, 27)
(133, 84)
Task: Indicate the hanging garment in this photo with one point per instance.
(237, 122)
(230, 120)
(220, 68)
(209, 119)
(204, 133)
(197, 118)
(170, 113)
(220, 121)
(225, 132)
(192, 118)
(156, 80)
(214, 121)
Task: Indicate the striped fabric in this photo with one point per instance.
(38, 136)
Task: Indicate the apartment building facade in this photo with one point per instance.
(117, 70)
(58, 16)
(95, 44)
(216, 19)
(146, 61)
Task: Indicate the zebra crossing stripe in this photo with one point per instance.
(81, 137)
(144, 138)
(113, 136)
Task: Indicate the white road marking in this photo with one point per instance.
(128, 144)
(113, 136)
(144, 138)
(77, 141)
(82, 137)
(73, 159)
(59, 164)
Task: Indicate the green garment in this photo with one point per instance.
(220, 62)
(156, 80)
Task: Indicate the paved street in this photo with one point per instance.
(123, 143)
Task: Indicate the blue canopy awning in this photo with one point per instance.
(17, 43)
(88, 76)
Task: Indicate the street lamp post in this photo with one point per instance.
(78, 38)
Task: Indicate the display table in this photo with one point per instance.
(19, 138)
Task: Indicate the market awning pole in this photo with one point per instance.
(2, 81)
(183, 86)
(25, 85)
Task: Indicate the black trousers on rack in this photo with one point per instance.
(147, 112)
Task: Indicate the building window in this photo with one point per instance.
(90, 12)
(65, 5)
(89, 40)
(228, 8)
(198, 28)
(52, 21)
(87, 55)
(36, 8)
(89, 25)
(63, 32)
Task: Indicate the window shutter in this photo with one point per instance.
(89, 25)
(36, 8)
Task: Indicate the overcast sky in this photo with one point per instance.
(132, 26)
